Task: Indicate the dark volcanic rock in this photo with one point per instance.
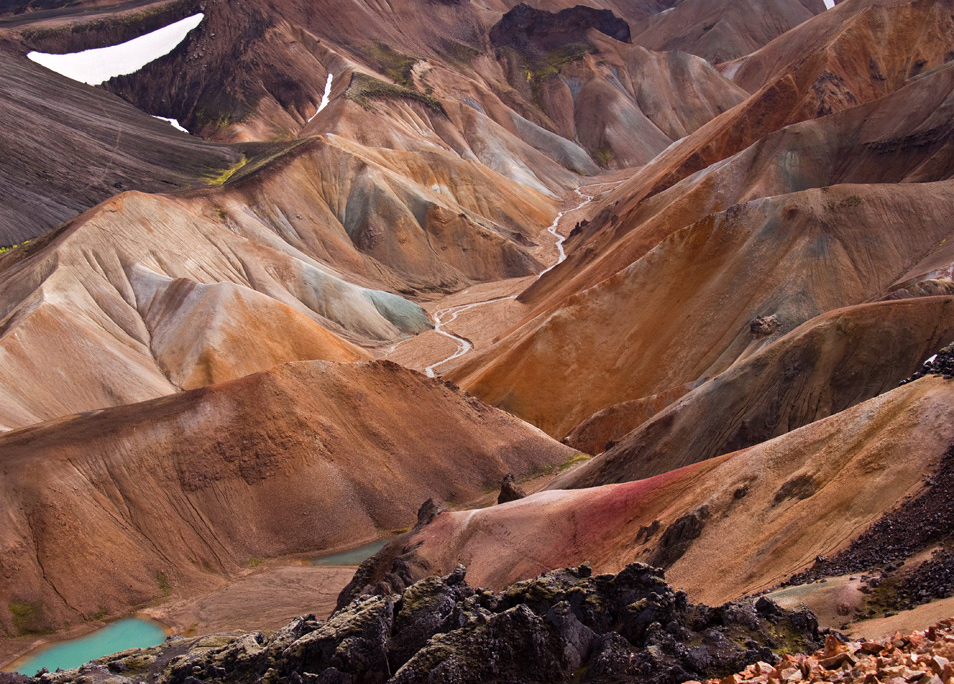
(630, 625)
(389, 570)
(763, 326)
(941, 363)
(535, 32)
(509, 491)
(922, 523)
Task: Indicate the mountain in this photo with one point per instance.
(108, 145)
(706, 245)
(758, 515)
(174, 494)
(722, 31)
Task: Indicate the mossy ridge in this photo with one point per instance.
(364, 88)
(222, 177)
(395, 65)
(10, 248)
(578, 457)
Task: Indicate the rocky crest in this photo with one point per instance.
(533, 31)
(510, 490)
(941, 364)
(558, 627)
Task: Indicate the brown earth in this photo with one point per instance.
(898, 138)
(821, 368)
(681, 312)
(720, 31)
(171, 495)
(753, 516)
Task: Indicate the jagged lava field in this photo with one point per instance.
(477, 341)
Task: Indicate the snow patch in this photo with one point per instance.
(172, 122)
(324, 98)
(98, 65)
(829, 4)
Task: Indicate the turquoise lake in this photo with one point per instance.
(114, 637)
(352, 556)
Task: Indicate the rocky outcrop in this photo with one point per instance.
(509, 490)
(535, 32)
(917, 527)
(552, 628)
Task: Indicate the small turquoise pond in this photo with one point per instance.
(352, 556)
(114, 637)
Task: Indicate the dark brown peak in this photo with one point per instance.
(534, 31)
(149, 155)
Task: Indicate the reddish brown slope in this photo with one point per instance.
(754, 516)
(902, 137)
(827, 71)
(681, 312)
(821, 368)
(107, 510)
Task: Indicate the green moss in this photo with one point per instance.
(604, 155)
(23, 613)
(224, 176)
(393, 64)
(10, 248)
(460, 53)
(538, 70)
(578, 457)
(253, 562)
(364, 89)
(162, 581)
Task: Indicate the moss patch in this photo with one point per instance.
(393, 64)
(222, 177)
(578, 457)
(364, 89)
(24, 614)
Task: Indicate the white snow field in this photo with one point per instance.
(101, 64)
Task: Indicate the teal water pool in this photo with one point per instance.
(114, 637)
(352, 556)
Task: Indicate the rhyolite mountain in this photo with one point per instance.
(194, 327)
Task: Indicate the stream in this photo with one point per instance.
(444, 317)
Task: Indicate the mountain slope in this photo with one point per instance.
(100, 508)
(107, 145)
(758, 515)
(682, 311)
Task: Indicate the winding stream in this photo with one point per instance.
(444, 317)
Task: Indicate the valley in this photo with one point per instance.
(649, 300)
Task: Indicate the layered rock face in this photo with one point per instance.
(630, 626)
